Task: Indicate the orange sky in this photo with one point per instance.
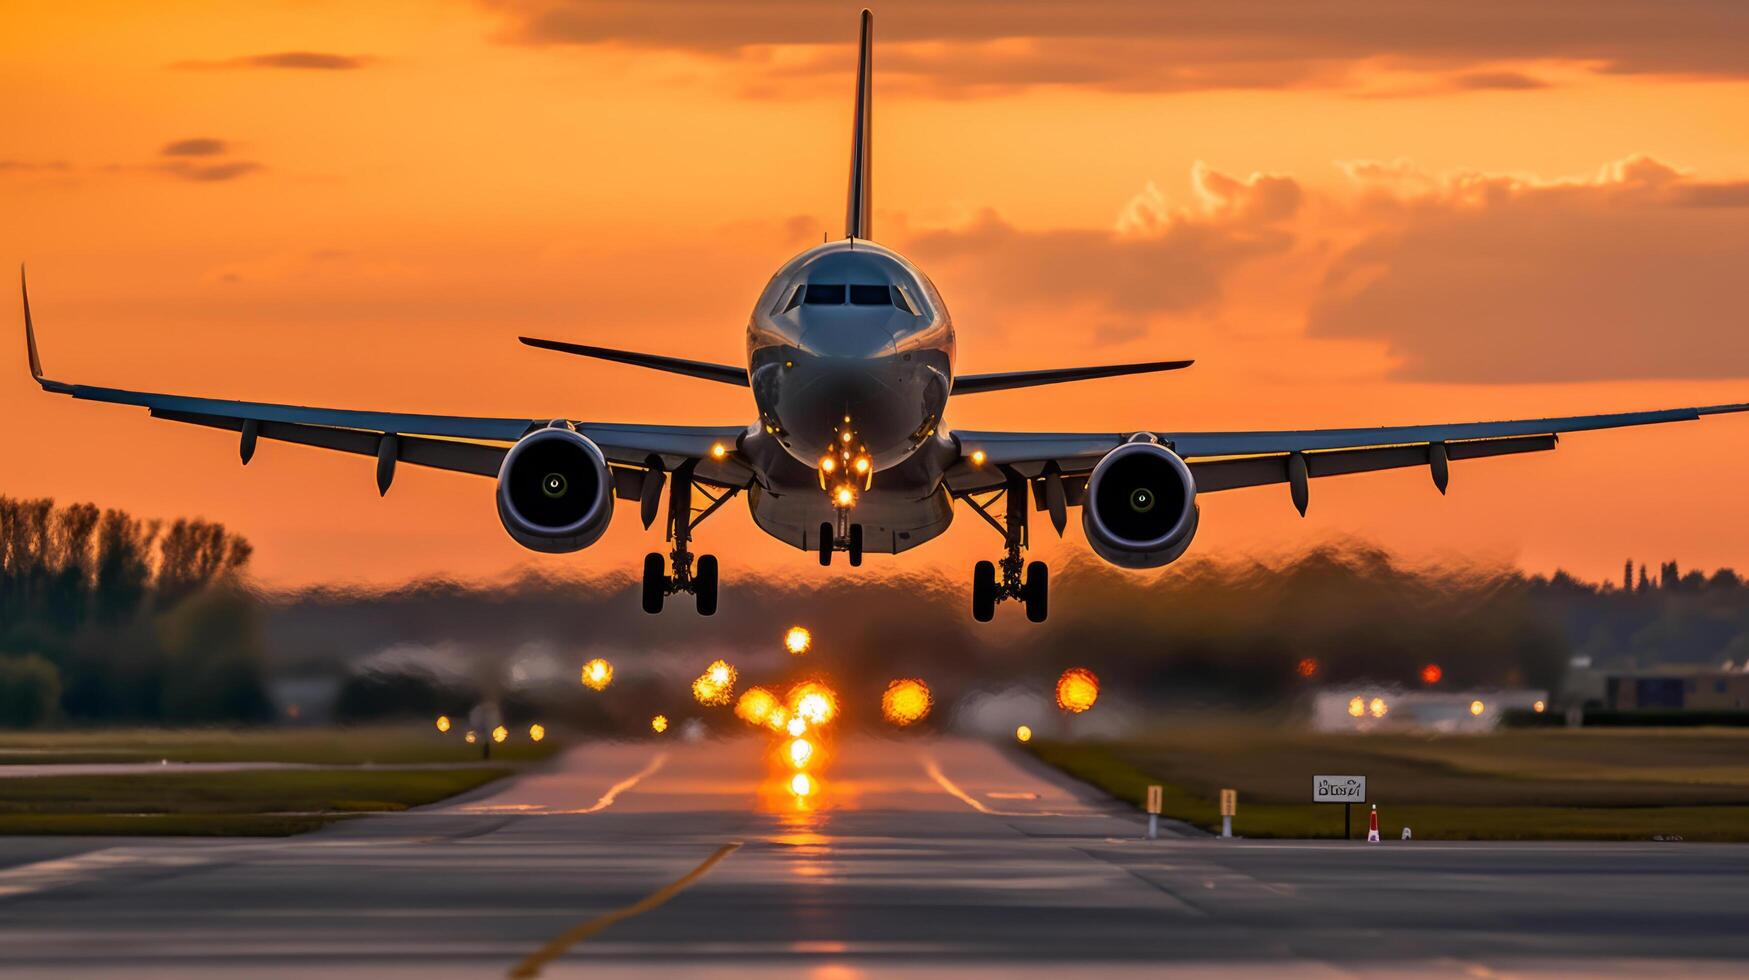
(1399, 213)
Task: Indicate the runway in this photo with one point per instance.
(919, 856)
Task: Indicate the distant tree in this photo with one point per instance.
(30, 691)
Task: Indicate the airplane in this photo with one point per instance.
(850, 359)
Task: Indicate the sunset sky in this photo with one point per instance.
(1350, 213)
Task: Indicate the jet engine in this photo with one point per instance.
(555, 492)
(1140, 507)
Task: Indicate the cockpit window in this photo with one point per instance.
(902, 299)
(825, 294)
(861, 295)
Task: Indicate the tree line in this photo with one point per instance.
(108, 617)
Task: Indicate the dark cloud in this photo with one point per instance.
(199, 146)
(1145, 44)
(299, 60)
(1636, 274)
(211, 172)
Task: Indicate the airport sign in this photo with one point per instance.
(1338, 789)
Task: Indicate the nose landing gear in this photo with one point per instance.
(848, 538)
(1034, 588)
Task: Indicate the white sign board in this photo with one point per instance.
(1338, 789)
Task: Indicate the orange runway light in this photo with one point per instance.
(796, 725)
(537, 732)
(1357, 706)
(1477, 707)
(500, 733)
(597, 674)
(470, 738)
(443, 723)
(906, 701)
(813, 702)
(755, 705)
(659, 724)
(798, 752)
(1431, 674)
(1077, 689)
(801, 785)
(798, 640)
(1377, 707)
(1307, 667)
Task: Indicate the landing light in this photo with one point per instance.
(862, 465)
(844, 437)
(978, 457)
(718, 450)
(828, 464)
(845, 497)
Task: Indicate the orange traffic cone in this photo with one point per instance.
(1372, 826)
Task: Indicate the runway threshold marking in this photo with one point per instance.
(531, 966)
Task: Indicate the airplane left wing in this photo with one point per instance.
(463, 444)
(1230, 460)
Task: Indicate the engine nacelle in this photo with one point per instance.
(555, 492)
(1140, 508)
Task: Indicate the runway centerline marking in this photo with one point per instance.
(934, 770)
(531, 966)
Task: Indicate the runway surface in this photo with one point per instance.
(917, 857)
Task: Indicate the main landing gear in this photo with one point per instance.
(1033, 590)
(676, 573)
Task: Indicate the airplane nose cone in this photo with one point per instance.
(848, 333)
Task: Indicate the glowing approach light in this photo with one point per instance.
(813, 702)
(798, 640)
(443, 723)
(1077, 689)
(799, 751)
(659, 724)
(1377, 707)
(1357, 706)
(906, 701)
(1477, 707)
(1023, 734)
(537, 732)
(802, 785)
(797, 725)
(500, 733)
(755, 706)
(716, 685)
(470, 738)
(597, 674)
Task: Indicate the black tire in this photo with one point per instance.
(1038, 592)
(655, 582)
(984, 591)
(826, 543)
(704, 585)
(855, 545)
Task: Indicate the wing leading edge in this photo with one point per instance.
(459, 443)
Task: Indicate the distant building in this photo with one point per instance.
(1706, 689)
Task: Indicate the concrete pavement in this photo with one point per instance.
(917, 856)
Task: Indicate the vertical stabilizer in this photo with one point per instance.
(858, 221)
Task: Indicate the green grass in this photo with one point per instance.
(1520, 785)
(161, 824)
(382, 745)
(248, 792)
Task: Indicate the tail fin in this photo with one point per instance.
(858, 221)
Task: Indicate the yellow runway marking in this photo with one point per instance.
(935, 773)
(531, 967)
(613, 791)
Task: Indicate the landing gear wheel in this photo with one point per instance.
(825, 543)
(1037, 591)
(984, 591)
(655, 582)
(704, 585)
(855, 544)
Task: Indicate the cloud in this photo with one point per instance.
(297, 60)
(211, 172)
(1633, 273)
(199, 146)
(1145, 45)
(1156, 259)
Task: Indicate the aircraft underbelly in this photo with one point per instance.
(892, 521)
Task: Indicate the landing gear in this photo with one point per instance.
(666, 576)
(989, 588)
(831, 540)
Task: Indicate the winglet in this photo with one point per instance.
(36, 363)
